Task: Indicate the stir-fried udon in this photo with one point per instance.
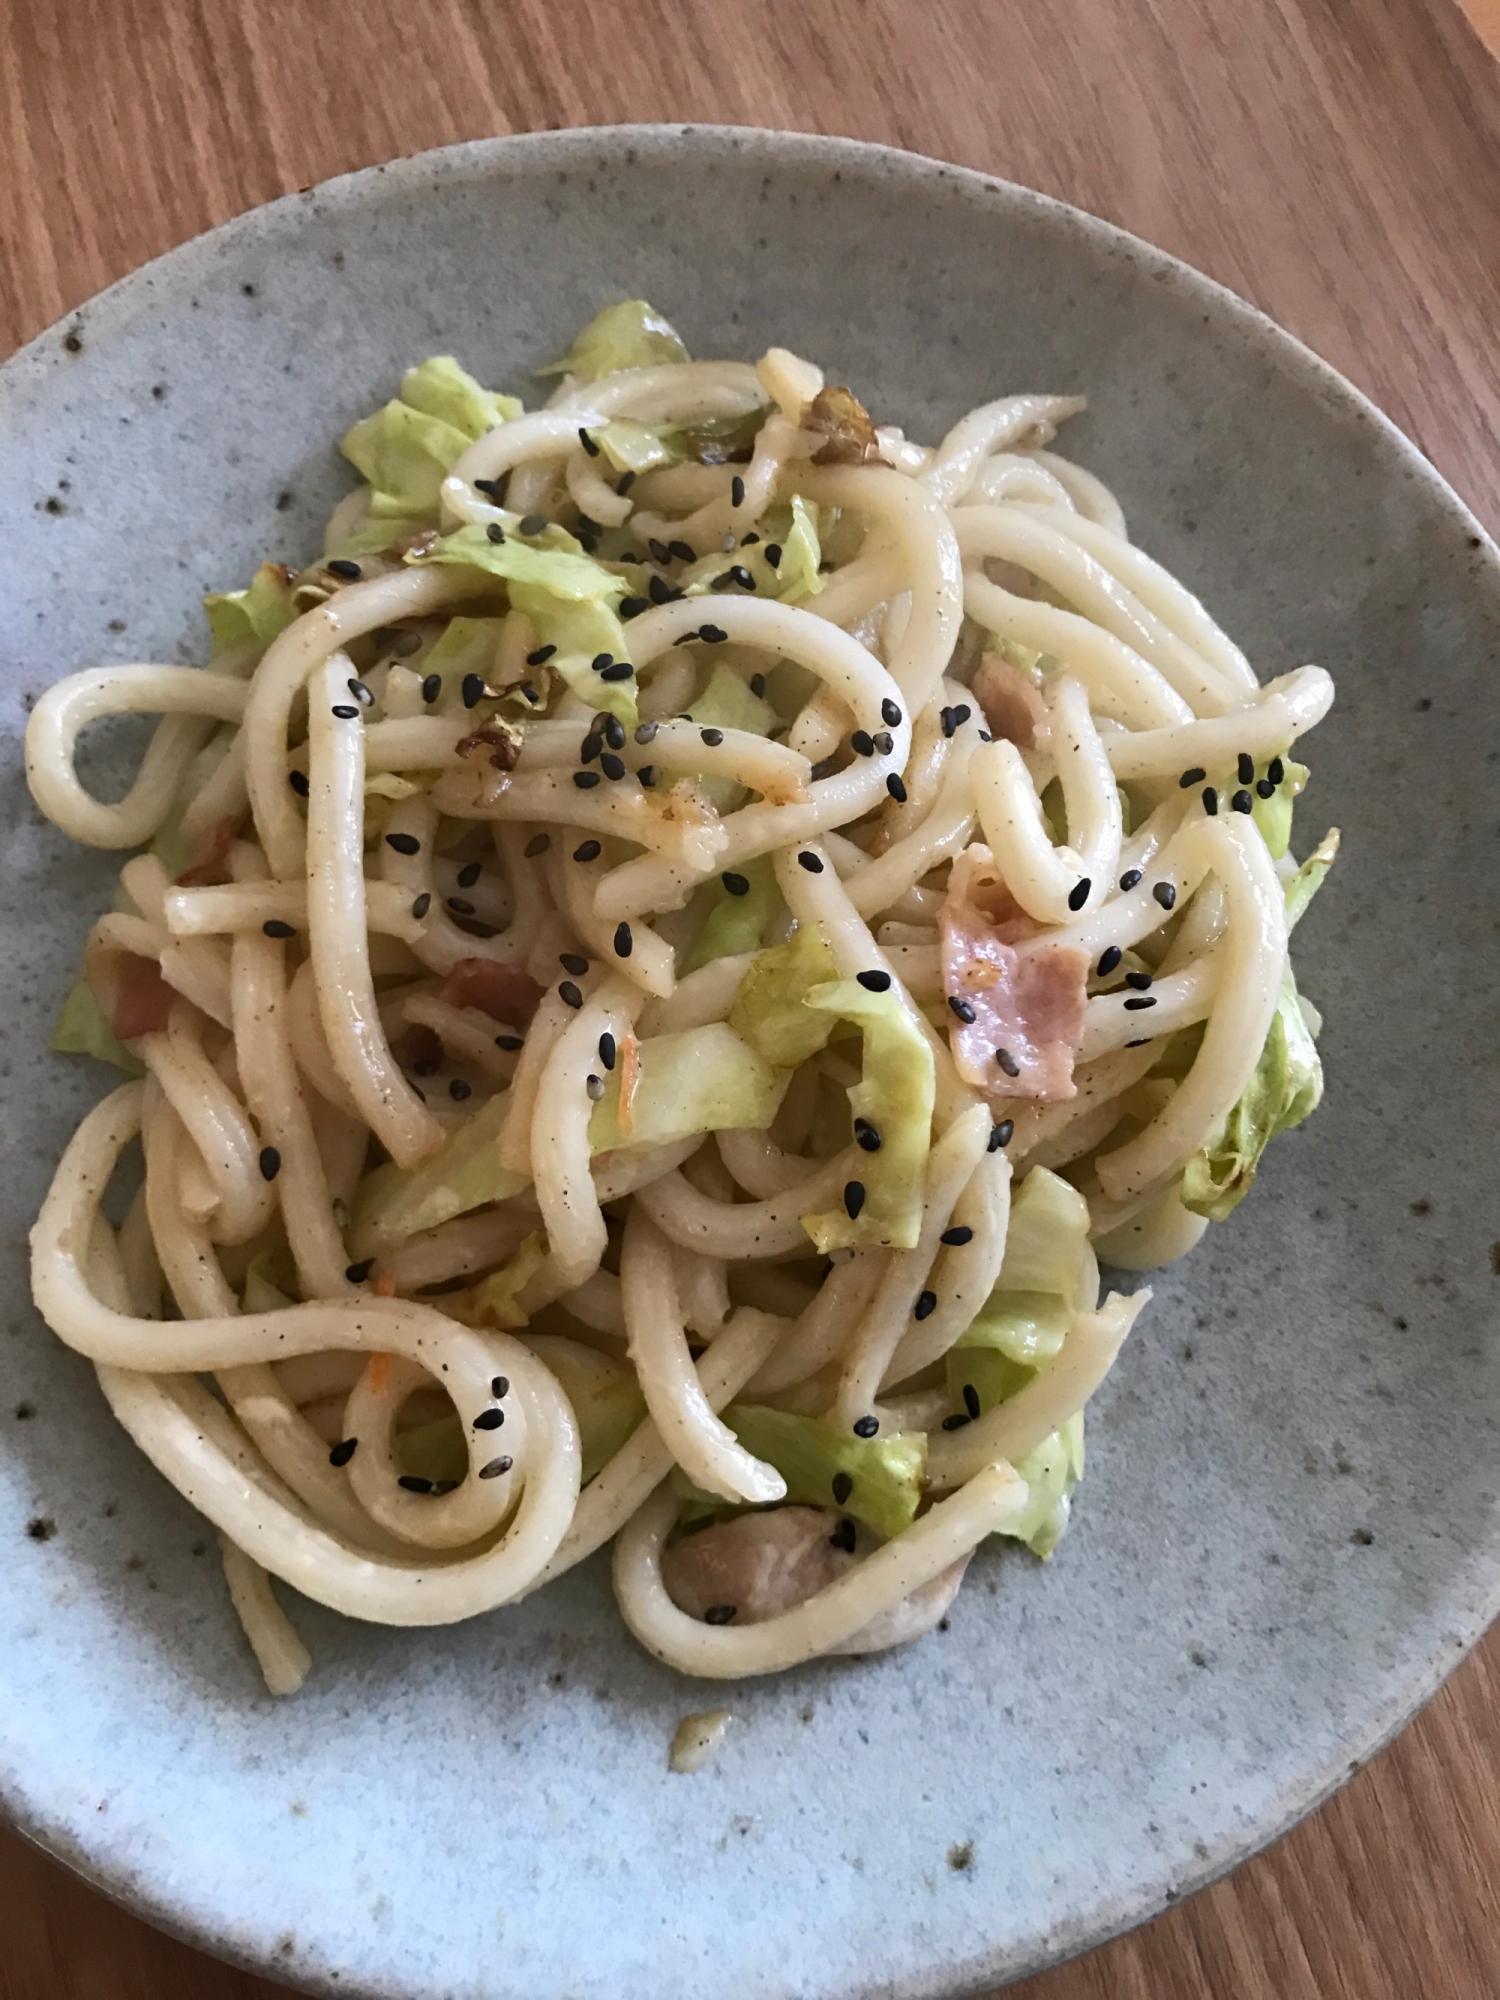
(652, 975)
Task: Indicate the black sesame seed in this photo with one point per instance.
(1242, 802)
(538, 844)
(959, 1234)
(1138, 1001)
(946, 718)
(740, 575)
(659, 551)
(890, 713)
(866, 1427)
(473, 689)
(594, 1087)
(896, 789)
(345, 711)
(1245, 767)
(340, 566)
(719, 1614)
(620, 671)
(757, 685)
(971, 1400)
(749, 541)
(1078, 895)
(275, 928)
(659, 590)
(585, 780)
(1140, 981)
(493, 489)
(589, 444)
(496, 1467)
(540, 656)
(810, 862)
(648, 775)
(533, 524)
(956, 1422)
(773, 554)
(1139, 1043)
(422, 905)
(854, 1199)
(1130, 878)
(361, 693)
(712, 737)
(569, 994)
(414, 1484)
(611, 765)
(842, 1485)
(959, 1006)
(1210, 801)
(602, 660)
(458, 1090)
(863, 742)
(404, 843)
(607, 1049)
(624, 942)
(1276, 770)
(588, 850)
(432, 687)
(469, 874)
(574, 962)
(1165, 893)
(884, 743)
(632, 607)
(357, 1273)
(843, 1536)
(614, 732)
(342, 1453)
(865, 1136)
(489, 1420)
(646, 732)
(737, 885)
(1193, 777)
(270, 1163)
(1007, 1062)
(1001, 1134)
(714, 634)
(460, 906)
(1264, 788)
(494, 532)
(683, 551)
(1109, 958)
(736, 491)
(500, 1388)
(509, 1042)
(925, 1306)
(874, 982)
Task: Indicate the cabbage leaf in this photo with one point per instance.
(1285, 1089)
(631, 334)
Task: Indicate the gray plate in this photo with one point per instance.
(1287, 1535)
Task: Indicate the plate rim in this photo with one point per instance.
(171, 274)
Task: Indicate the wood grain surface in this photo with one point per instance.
(1335, 161)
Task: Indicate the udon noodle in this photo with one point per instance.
(653, 974)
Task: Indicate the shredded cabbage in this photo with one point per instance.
(631, 334)
(604, 1393)
(768, 1009)
(702, 1080)
(82, 1030)
(406, 449)
(885, 1472)
(1274, 815)
(253, 616)
(465, 646)
(1049, 1228)
(1308, 880)
(1285, 1089)
(735, 923)
(496, 1300)
(727, 703)
(393, 1203)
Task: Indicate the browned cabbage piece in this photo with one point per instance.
(843, 422)
(759, 1565)
(1010, 701)
(1020, 1014)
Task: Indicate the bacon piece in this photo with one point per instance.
(143, 999)
(210, 863)
(1027, 1002)
(504, 992)
(1011, 701)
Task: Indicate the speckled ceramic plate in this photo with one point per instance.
(1288, 1532)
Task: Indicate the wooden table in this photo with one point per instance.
(1336, 161)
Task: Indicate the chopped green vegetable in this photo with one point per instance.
(1051, 1473)
(570, 599)
(1307, 881)
(437, 1450)
(497, 1298)
(440, 388)
(253, 616)
(633, 447)
(885, 1472)
(82, 1030)
(1274, 815)
(408, 448)
(727, 703)
(1049, 1227)
(717, 440)
(993, 1375)
(465, 646)
(794, 530)
(702, 1080)
(393, 1203)
(1285, 1089)
(769, 1010)
(895, 1095)
(1027, 1327)
(631, 334)
(735, 923)
(604, 1393)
